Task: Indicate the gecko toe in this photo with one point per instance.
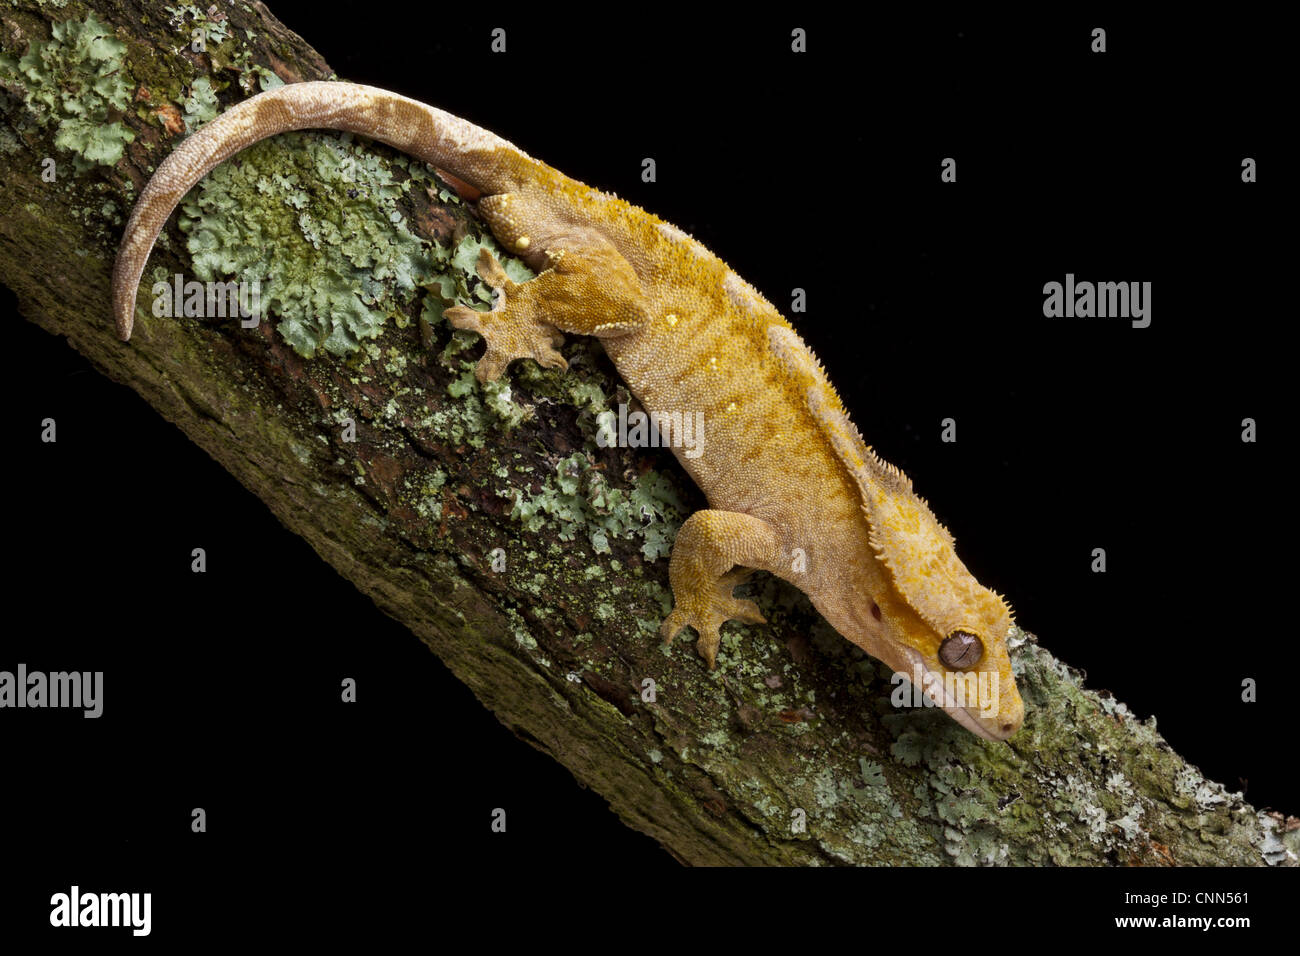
(746, 612)
(547, 357)
(491, 366)
(463, 317)
(673, 625)
(490, 271)
(707, 646)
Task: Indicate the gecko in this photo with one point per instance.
(792, 488)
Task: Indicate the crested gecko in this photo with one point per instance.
(791, 486)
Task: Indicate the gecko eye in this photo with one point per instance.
(961, 650)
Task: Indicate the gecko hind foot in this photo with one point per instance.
(707, 610)
(513, 329)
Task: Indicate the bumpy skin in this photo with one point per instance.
(792, 488)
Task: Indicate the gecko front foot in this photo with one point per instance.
(513, 329)
(714, 552)
(707, 610)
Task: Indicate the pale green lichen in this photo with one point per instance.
(183, 12)
(873, 774)
(497, 397)
(77, 82)
(215, 30)
(578, 499)
(429, 499)
(578, 386)
(201, 105)
(314, 219)
(1280, 846)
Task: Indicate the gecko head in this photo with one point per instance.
(930, 619)
(942, 629)
(968, 674)
(961, 665)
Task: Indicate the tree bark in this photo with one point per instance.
(489, 521)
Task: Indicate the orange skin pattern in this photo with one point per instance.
(792, 488)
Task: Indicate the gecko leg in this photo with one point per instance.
(588, 288)
(709, 546)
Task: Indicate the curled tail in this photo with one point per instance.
(482, 159)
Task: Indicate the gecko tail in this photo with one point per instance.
(473, 155)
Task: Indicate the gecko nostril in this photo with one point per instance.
(875, 610)
(1007, 728)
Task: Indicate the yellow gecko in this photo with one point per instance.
(792, 488)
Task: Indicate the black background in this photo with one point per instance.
(924, 302)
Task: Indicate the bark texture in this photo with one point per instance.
(532, 561)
